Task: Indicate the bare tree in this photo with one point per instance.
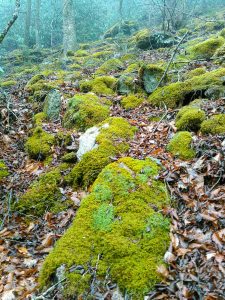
(37, 23)
(27, 23)
(11, 22)
(69, 28)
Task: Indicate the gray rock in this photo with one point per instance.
(52, 105)
(125, 85)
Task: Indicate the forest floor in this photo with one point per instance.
(196, 256)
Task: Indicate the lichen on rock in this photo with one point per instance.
(180, 145)
(119, 225)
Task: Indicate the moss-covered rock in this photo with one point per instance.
(214, 125)
(81, 53)
(39, 144)
(190, 118)
(150, 76)
(103, 85)
(176, 94)
(131, 101)
(112, 139)
(113, 64)
(8, 83)
(52, 105)
(102, 54)
(126, 84)
(180, 145)
(85, 111)
(124, 28)
(44, 195)
(39, 118)
(207, 48)
(195, 72)
(141, 39)
(119, 227)
(3, 170)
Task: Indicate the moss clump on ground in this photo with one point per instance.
(85, 111)
(39, 144)
(81, 53)
(190, 118)
(131, 101)
(195, 72)
(8, 83)
(180, 145)
(118, 224)
(102, 54)
(150, 76)
(110, 65)
(3, 170)
(176, 94)
(111, 141)
(214, 125)
(44, 195)
(39, 118)
(207, 48)
(103, 85)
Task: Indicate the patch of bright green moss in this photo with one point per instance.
(141, 39)
(85, 111)
(117, 224)
(180, 145)
(44, 195)
(35, 79)
(110, 65)
(3, 170)
(176, 93)
(214, 125)
(103, 85)
(190, 118)
(81, 53)
(8, 83)
(131, 101)
(111, 141)
(39, 118)
(102, 54)
(39, 144)
(206, 49)
(195, 72)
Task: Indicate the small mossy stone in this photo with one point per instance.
(52, 105)
(131, 102)
(84, 111)
(150, 76)
(8, 83)
(206, 49)
(3, 170)
(189, 118)
(69, 157)
(113, 64)
(214, 125)
(180, 145)
(39, 144)
(103, 85)
(39, 118)
(117, 220)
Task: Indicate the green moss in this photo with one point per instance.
(195, 72)
(121, 228)
(44, 195)
(35, 79)
(69, 157)
(189, 118)
(150, 76)
(111, 141)
(39, 144)
(206, 49)
(110, 65)
(3, 170)
(180, 145)
(8, 83)
(85, 111)
(70, 53)
(81, 53)
(214, 125)
(39, 118)
(176, 93)
(131, 101)
(132, 68)
(103, 85)
(102, 54)
(141, 39)
(129, 57)
(40, 86)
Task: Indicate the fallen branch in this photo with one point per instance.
(171, 60)
(11, 22)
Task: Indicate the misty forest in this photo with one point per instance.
(112, 145)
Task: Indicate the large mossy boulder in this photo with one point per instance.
(181, 93)
(206, 49)
(124, 28)
(44, 195)
(150, 75)
(111, 140)
(180, 145)
(52, 105)
(103, 85)
(84, 111)
(3, 170)
(120, 228)
(39, 144)
(214, 125)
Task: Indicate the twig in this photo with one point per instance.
(171, 60)
(51, 289)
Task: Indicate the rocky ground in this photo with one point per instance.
(195, 257)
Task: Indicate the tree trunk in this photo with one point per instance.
(37, 23)
(11, 22)
(69, 28)
(27, 24)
